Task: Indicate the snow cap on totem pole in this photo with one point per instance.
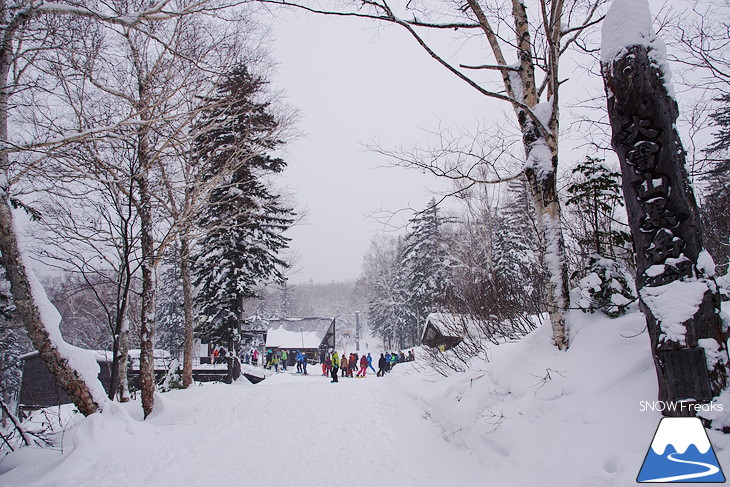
(628, 23)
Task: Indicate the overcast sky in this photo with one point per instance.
(356, 83)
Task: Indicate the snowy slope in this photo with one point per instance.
(534, 416)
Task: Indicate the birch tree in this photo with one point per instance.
(22, 37)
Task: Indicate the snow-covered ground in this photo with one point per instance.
(532, 416)
(289, 429)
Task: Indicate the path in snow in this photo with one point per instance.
(360, 432)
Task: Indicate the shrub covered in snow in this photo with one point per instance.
(605, 288)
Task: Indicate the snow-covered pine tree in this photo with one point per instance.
(595, 194)
(516, 250)
(427, 268)
(12, 346)
(715, 209)
(170, 315)
(386, 296)
(244, 221)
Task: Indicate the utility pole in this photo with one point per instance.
(357, 331)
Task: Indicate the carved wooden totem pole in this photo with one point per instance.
(678, 294)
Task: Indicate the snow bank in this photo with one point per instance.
(534, 416)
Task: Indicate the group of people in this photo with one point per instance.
(333, 365)
(346, 365)
(218, 355)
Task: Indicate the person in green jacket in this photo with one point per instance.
(284, 357)
(335, 365)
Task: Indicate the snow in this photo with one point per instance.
(706, 264)
(673, 304)
(282, 338)
(628, 23)
(530, 416)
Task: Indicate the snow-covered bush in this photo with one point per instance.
(173, 378)
(606, 288)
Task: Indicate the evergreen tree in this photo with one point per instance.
(387, 296)
(595, 195)
(170, 316)
(427, 268)
(716, 202)
(244, 221)
(516, 249)
(12, 346)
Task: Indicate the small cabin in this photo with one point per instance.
(39, 389)
(442, 330)
(309, 335)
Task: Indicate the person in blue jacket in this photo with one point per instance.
(370, 362)
(304, 363)
(299, 362)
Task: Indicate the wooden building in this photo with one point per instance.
(442, 330)
(308, 335)
(39, 389)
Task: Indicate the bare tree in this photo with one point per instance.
(527, 80)
(23, 36)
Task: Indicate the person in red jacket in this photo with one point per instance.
(352, 365)
(363, 367)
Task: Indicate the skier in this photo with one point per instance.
(335, 365)
(363, 366)
(304, 363)
(255, 354)
(284, 357)
(370, 362)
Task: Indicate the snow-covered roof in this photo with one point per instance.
(448, 324)
(296, 333)
(100, 355)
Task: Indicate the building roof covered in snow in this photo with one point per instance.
(444, 329)
(301, 333)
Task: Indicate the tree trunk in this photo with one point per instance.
(187, 376)
(149, 289)
(688, 343)
(124, 361)
(25, 297)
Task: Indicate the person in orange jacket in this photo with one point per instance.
(344, 366)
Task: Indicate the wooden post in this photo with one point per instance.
(689, 350)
